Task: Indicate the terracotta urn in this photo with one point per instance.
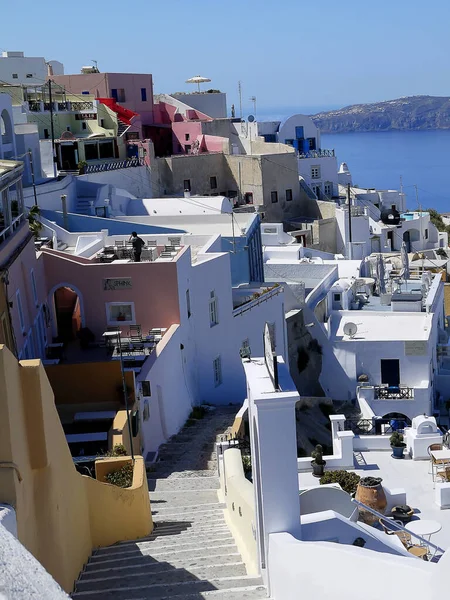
(371, 493)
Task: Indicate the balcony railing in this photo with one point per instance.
(81, 105)
(8, 231)
(113, 166)
(394, 392)
(34, 106)
(317, 154)
(374, 426)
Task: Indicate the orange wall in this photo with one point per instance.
(85, 383)
(61, 515)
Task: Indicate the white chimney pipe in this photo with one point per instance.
(187, 194)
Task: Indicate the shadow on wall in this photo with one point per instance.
(56, 507)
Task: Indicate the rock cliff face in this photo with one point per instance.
(413, 114)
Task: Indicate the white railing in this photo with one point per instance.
(394, 525)
(8, 231)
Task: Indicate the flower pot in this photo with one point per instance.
(317, 469)
(373, 496)
(397, 451)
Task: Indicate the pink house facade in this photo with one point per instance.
(114, 294)
(25, 322)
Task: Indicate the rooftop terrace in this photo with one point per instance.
(413, 476)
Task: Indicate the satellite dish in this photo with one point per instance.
(350, 329)
(251, 118)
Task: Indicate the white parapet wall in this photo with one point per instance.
(237, 492)
(324, 570)
(342, 457)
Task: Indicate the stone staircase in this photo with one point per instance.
(83, 206)
(191, 554)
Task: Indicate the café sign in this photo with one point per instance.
(117, 284)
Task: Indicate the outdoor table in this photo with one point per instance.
(425, 528)
(441, 456)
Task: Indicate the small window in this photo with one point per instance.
(145, 387)
(336, 297)
(213, 313)
(102, 123)
(426, 234)
(118, 94)
(187, 136)
(315, 172)
(120, 312)
(46, 134)
(15, 76)
(187, 185)
(144, 94)
(29, 75)
(217, 368)
(213, 183)
(248, 198)
(312, 143)
(188, 303)
(274, 197)
(20, 310)
(328, 189)
(33, 288)
(394, 207)
(288, 195)
(83, 125)
(187, 148)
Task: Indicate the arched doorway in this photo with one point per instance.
(397, 420)
(6, 128)
(68, 312)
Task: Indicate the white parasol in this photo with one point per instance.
(198, 79)
(405, 262)
(381, 284)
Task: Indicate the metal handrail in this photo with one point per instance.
(399, 527)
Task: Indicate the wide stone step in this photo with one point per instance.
(166, 526)
(247, 593)
(178, 541)
(152, 564)
(176, 498)
(204, 535)
(193, 530)
(200, 509)
(166, 574)
(171, 554)
(168, 590)
(187, 483)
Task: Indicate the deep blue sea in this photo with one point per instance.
(379, 159)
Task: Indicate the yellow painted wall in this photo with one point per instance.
(120, 435)
(61, 515)
(447, 298)
(89, 382)
(237, 492)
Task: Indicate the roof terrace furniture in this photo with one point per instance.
(135, 333)
(119, 243)
(406, 540)
(433, 463)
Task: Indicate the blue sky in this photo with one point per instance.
(288, 53)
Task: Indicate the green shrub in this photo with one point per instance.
(347, 481)
(123, 477)
(247, 463)
(396, 440)
(198, 412)
(118, 450)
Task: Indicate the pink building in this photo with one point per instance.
(85, 293)
(24, 315)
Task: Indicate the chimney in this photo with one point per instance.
(49, 70)
(187, 194)
(64, 211)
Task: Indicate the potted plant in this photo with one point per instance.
(317, 462)
(397, 444)
(82, 164)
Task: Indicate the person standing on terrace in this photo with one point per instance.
(137, 243)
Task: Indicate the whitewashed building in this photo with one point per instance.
(16, 68)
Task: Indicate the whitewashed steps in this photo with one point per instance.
(191, 554)
(181, 589)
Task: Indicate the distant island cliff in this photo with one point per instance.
(415, 113)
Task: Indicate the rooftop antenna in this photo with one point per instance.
(95, 65)
(253, 99)
(240, 98)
